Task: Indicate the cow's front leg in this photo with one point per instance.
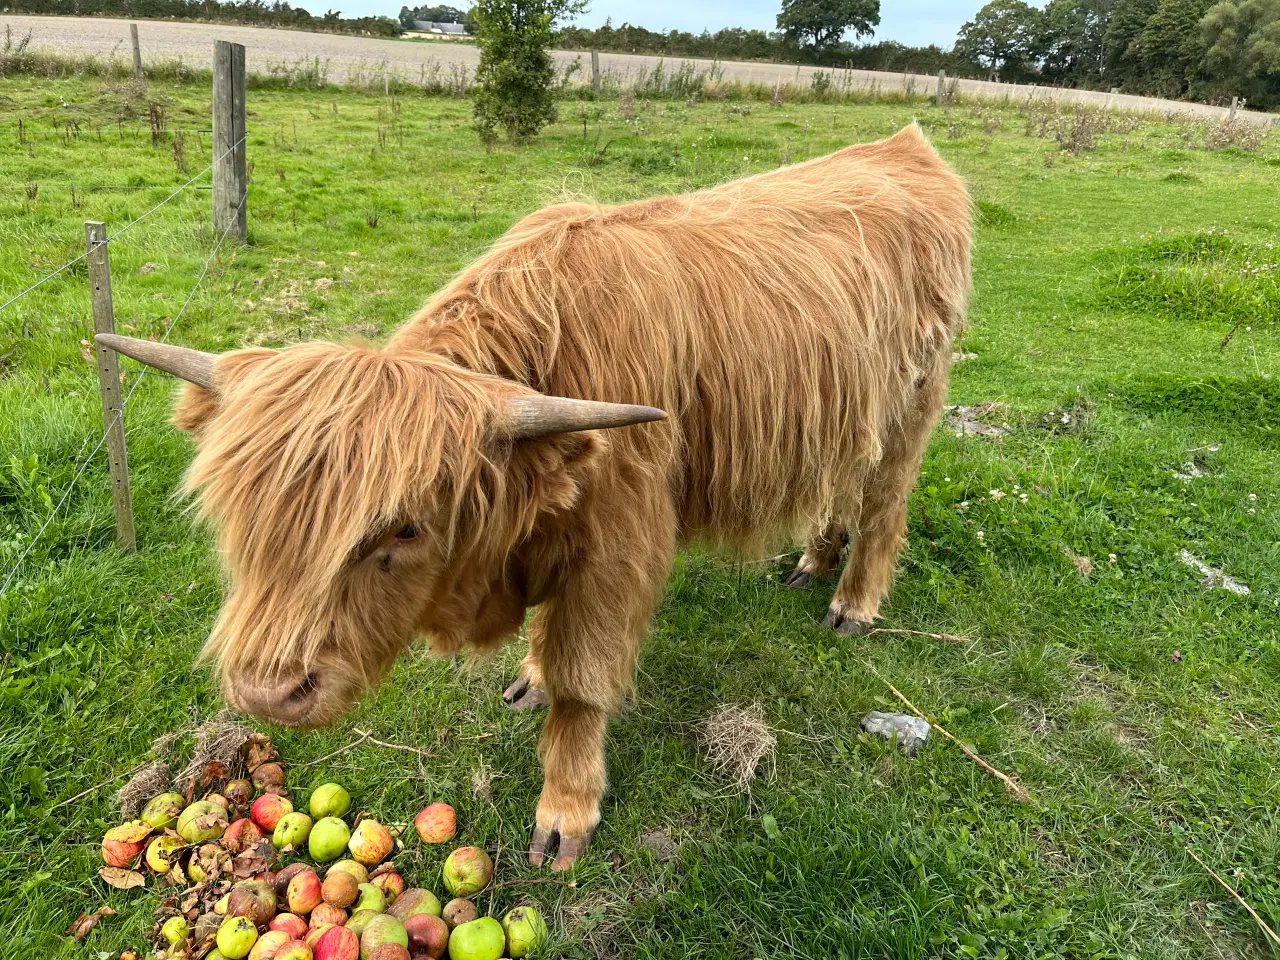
(572, 751)
(584, 639)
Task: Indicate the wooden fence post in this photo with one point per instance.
(98, 260)
(1235, 105)
(595, 70)
(942, 87)
(137, 51)
(230, 215)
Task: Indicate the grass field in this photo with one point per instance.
(1138, 706)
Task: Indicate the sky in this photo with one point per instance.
(913, 22)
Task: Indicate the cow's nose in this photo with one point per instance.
(286, 701)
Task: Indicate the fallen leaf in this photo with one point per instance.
(120, 878)
(85, 923)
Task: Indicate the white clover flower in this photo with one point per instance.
(1111, 558)
(980, 535)
(1253, 497)
(996, 494)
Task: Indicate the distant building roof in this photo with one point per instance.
(431, 26)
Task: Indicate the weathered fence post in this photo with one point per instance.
(98, 260)
(942, 87)
(137, 51)
(595, 70)
(229, 180)
(1235, 105)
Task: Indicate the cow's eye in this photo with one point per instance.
(407, 532)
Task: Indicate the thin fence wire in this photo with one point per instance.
(130, 224)
(84, 464)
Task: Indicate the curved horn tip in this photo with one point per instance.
(194, 366)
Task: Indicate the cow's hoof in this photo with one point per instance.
(844, 621)
(568, 849)
(797, 579)
(523, 694)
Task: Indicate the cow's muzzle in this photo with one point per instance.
(289, 701)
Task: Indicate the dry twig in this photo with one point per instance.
(329, 756)
(1239, 899)
(366, 735)
(1017, 790)
(944, 637)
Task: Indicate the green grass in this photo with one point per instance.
(1072, 684)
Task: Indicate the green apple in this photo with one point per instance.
(162, 811)
(481, 939)
(328, 840)
(291, 831)
(329, 800)
(525, 930)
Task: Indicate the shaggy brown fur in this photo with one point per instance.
(797, 328)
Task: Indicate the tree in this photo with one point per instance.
(515, 73)
(1073, 39)
(1122, 60)
(1005, 35)
(823, 23)
(1171, 47)
(1242, 49)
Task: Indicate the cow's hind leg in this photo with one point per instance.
(820, 556)
(526, 691)
(882, 520)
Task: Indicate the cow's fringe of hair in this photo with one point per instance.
(784, 322)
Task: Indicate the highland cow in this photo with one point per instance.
(507, 448)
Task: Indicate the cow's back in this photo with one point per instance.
(782, 320)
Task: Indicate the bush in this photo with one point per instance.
(516, 74)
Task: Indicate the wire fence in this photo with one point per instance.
(70, 263)
(85, 461)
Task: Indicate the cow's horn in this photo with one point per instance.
(539, 416)
(194, 366)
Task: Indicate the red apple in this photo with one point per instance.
(268, 810)
(294, 950)
(122, 845)
(391, 885)
(243, 831)
(304, 892)
(280, 879)
(370, 843)
(268, 777)
(315, 933)
(337, 943)
(428, 935)
(436, 823)
(327, 913)
(268, 945)
(290, 923)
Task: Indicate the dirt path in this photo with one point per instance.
(349, 57)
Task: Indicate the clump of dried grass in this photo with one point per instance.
(482, 782)
(736, 739)
(1235, 133)
(147, 782)
(217, 741)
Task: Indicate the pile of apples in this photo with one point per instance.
(359, 909)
